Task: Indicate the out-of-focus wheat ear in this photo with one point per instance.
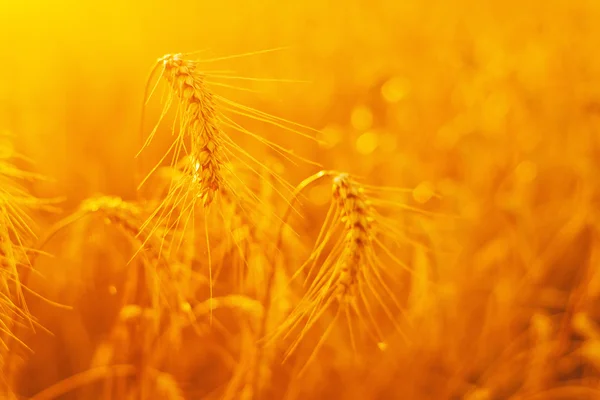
(585, 326)
(422, 303)
(478, 394)
(251, 307)
(540, 371)
(166, 387)
(128, 216)
(589, 351)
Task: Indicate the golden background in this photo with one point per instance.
(494, 104)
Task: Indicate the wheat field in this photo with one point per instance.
(299, 200)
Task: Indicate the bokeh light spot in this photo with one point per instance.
(331, 135)
(388, 142)
(423, 192)
(526, 172)
(395, 90)
(362, 118)
(367, 142)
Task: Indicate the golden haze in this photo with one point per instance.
(458, 260)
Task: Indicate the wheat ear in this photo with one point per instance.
(352, 278)
(202, 115)
(343, 270)
(199, 124)
(200, 120)
(355, 215)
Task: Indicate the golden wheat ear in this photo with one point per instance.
(201, 116)
(357, 277)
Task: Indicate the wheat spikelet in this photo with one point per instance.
(540, 369)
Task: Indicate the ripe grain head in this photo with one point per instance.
(351, 273)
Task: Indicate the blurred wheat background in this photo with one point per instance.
(488, 112)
